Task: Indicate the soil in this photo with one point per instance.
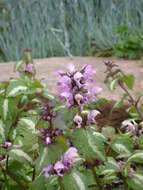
(111, 116)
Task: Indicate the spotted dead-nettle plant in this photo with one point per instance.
(55, 141)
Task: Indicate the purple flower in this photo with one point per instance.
(131, 171)
(6, 144)
(49, 136)
(65, 81)
(77, 120)
(91, 116)
(71, 156)
(60, 168)
(47, 113)
(88, 72)
(121, 164)
(22, 68)
(71, 68)
(76, 87)
(79, 79)
(131, 125)
(92, 92)
(1, 158)
(29, 68)
(67, 97)
(48, 140)
(48, 170)
(79, 99)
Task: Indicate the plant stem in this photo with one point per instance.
(34, 171)
(51, 125)
(133, 102)
(61, 184)
(7, 162)
(124, 182)
(97, 180)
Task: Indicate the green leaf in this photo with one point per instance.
(62, 141)
(89, 143)
(129, 80)
(108, 132)
(5, 108)
(48, 155)
(27, 134)
(113, 84)
(48, 95)
(28, 123)
(136, 181)
(123, 145)
(74, 180)
(38, 183)
(133, 113)
(140, 141)
(2, 132)
(136, 157)
(20, 156)
(16, 87)
(18, 65)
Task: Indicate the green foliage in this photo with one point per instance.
(104, 158)
(58, 28)
(130, 47)
(92, 143)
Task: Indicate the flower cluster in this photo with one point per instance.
(61, 166)
(89, 119)
(6, 144)
(29, 68)
(46, 112)
(77, 87)
(49, 136)
(135, 129)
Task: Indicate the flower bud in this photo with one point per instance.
(78, 120)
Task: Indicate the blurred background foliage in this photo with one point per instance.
(71, 27)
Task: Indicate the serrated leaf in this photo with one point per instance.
(108, 172)
(136, 157)
(136, 181)
(20, 156)
(129, 80)
(112, 163)
(123, 145)
(27, 134)
(38, 183)
(78, 180)
(28, 122)
(74, 180)
(89, 144)
(16, 87)
(108, 132)
(18, 65)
